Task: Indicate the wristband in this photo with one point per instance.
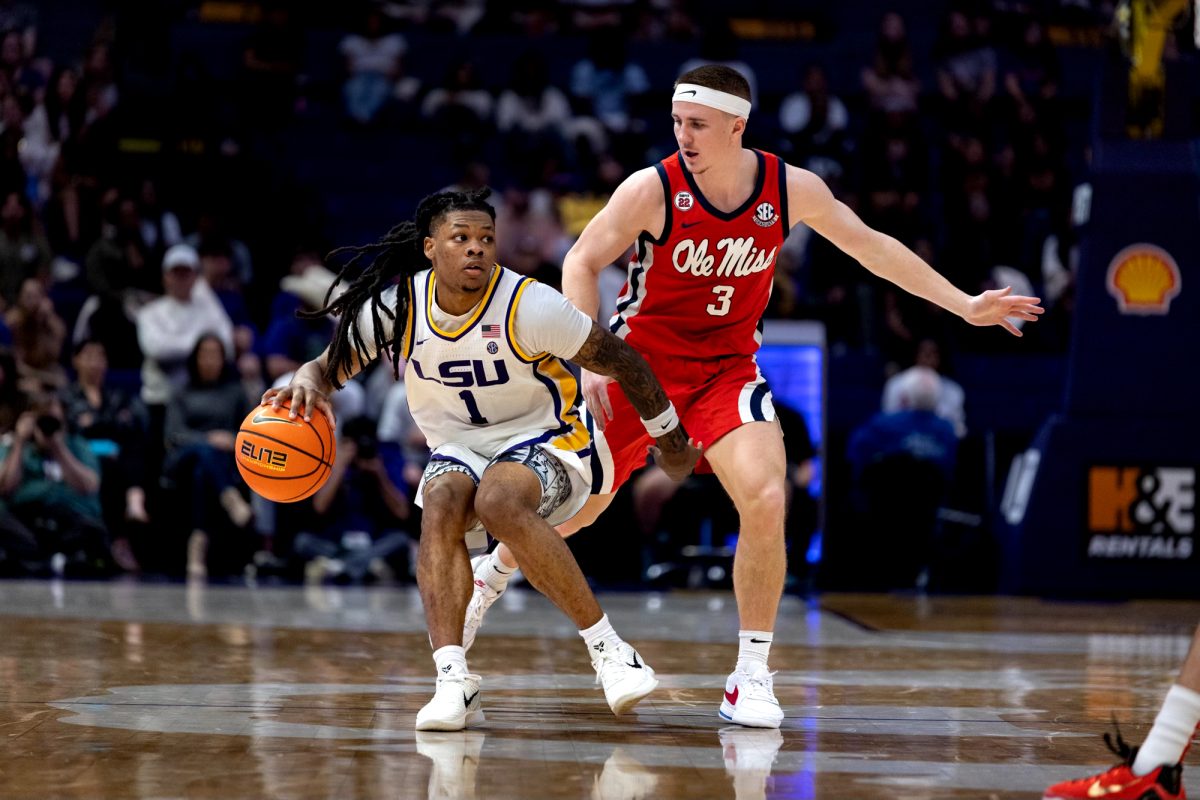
(663, 424)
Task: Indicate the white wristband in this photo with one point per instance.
(663, 424)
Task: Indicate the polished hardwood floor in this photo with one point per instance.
(121, 690)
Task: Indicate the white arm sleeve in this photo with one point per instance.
(547, 323)
(365, 324)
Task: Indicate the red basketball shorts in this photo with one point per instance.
(712, 398)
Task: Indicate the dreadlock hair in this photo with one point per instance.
(401, 252)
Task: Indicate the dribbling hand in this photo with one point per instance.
(303, 398)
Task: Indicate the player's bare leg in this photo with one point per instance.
(590, 512)
(443, 571)
(507, 502)
(443, 567)
(751, 465)
(492, 572)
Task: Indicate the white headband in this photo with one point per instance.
(722, 101)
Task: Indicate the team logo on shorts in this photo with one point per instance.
(493, 348)
(765, 215)
(684, 201)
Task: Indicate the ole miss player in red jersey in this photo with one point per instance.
(708, 222)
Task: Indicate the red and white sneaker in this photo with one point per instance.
(1119, 783)
(750, 699)
(482, 597)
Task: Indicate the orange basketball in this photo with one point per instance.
(284, 459)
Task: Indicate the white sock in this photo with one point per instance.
(753, 649)
(496, 573)
(599, 636)
(451, 658)
(1173, 730)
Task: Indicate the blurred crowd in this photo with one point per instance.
(146, 304)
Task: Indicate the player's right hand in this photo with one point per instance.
(678, 464)
(302, 397)
(595, 394)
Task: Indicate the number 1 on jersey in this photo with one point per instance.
(721, 307)
(472, 408)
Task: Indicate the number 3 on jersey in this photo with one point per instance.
(721, 307)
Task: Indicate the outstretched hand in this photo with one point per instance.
(679, 463)
(1001, 307)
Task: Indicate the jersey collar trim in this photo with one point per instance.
(759, 180)
(452, 336)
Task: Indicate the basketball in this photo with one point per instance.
(284, 459)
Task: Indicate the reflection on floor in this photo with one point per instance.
(124, 690)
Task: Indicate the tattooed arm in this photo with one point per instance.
(605, 354)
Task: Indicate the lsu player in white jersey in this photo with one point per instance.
(483, 349)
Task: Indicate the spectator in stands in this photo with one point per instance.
(201, 426)
(170, 327)
(914, 429)
(50, 481)
(115, 424)
(534, 243)
(895, 174)
(38, 335)
(271, 63)
(362, 510)
(950, 400)
(815, 122)
(532, 115)
(119, 261)
(373, 64)
(606, 84)
(460, 110)
(64, 104)
(966, 70)
(99, 83)
(1031, 82)
(24, 252)
(290, 340)
(22, 18)
(12, 399)
(160, 227)
(890, 80)
(903, 464)
(211, 226)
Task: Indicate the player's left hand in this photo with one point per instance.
(1001, 307)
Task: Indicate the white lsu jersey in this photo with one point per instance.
(475, 386)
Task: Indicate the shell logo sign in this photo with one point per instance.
(1144, 279)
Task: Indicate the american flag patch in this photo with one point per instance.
(490, 331)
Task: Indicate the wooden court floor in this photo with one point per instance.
(121, 690)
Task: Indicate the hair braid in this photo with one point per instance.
(401, 252)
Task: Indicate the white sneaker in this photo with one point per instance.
(625, 677)
(455, 704)
(624, 776)
(749, 755)
(750, 699)
(749, 749)
(455, 758)
(481, 600)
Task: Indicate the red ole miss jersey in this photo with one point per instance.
(700, 290)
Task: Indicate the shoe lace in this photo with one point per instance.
(1120, 748)
(609, 659)
(759, 685)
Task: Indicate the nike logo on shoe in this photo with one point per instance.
(1096, 790)
(467, 700)
(731, 697)
(635, 663)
